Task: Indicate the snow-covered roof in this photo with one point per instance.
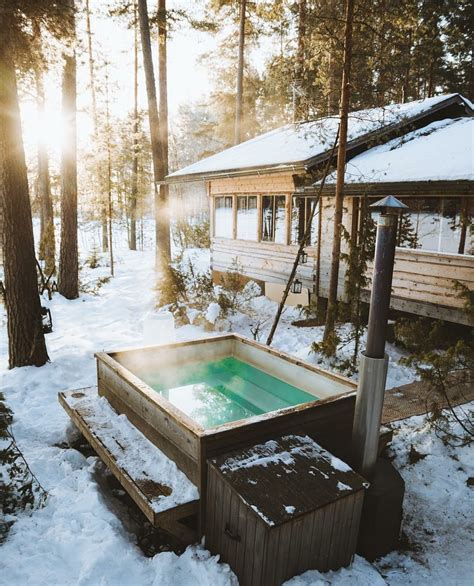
(298, 144)
(441, 151)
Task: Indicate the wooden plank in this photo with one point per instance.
(355, 523)
(178, 428)
(259, 550)
(253, 184)
(185, 463)
(443, 280)
(326, 537)
(281, 563)
(242, 517)
(295, 546)
(434, 257)
(167, 519)
(249, 540)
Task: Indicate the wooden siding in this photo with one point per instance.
(271, 184)
(272, 263)
(264, 261)
(264, 543)
(429, 276)
(422, 281)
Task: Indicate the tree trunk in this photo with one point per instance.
(26, 343)
(341, 165)
(134, 187)
(161, 213)
(68, 281)
(163, 97)
(240, 75)
(407, 76)
(47, 240)
(300, 110)
(464, 221)
(109, 173)
(95, 122)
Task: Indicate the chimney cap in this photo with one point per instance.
(389, 204)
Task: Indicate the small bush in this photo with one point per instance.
(19, 488)
(191, 234)
(93, 260)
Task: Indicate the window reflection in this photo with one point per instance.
(223, 219)
(247, 217)
(301, 211)
(273, 218)
(438, 224)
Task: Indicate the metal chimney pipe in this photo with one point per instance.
(374, 362)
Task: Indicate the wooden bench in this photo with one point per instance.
(162, 492)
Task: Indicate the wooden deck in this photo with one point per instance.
(135, 462)
(416, 398)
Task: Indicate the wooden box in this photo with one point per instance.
(282, 507)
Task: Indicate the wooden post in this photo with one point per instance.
(259, 217)
(234, 217)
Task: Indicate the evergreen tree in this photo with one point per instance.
(26, 343)
(68, 278)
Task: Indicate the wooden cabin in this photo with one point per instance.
(261, 192)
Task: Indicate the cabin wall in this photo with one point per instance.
(269, 262)
(423, 281)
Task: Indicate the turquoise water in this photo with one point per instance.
(213, 393)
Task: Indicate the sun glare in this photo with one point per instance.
(46, 129)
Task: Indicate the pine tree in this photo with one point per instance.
(18, 53)
(68, 281)
(161, 213)
(341, 165)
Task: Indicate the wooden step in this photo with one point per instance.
(162, 492)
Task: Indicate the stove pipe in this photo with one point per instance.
(374, 361)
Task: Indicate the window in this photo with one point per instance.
(247, 217)
(273, 219)
(223, 218)
(438, 224)
(300, 213)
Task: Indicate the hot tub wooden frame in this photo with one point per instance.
(327, 420)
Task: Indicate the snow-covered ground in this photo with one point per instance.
(78, 537)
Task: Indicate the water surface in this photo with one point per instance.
(216, 392)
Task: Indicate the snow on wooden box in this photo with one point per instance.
(282, 507)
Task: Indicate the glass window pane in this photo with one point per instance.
(280, 213)
(433, 224)
(223, 217)
(297, 220)
(247, 217)
(313, 236)
(267, 218)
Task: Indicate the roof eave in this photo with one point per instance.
(294, 168)
(462, 187)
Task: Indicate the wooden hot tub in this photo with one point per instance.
(327, 418)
